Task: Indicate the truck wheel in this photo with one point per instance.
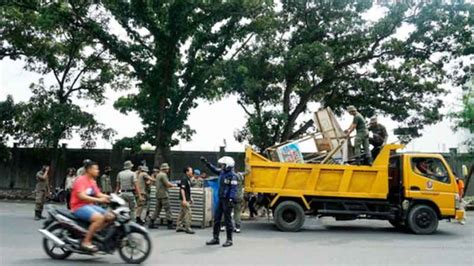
(422, 219)
(289, 216)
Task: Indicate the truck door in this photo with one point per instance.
(429, 178)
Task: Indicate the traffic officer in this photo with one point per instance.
(183, 224)
(143, 181)
(162, 197)
(228, 182)
(379, 136)
(127, 185)
(362, 135)
(42, 190)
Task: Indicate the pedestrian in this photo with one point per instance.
(379, 136)
(462, 203)
(227, 197)
(143, 183)
(128, 187)
(162, 185)
(362, 136)
(238, 202)
(81, 171)
(197, 182)
(183, 223)
(42, 190)
(252, 201)
(105, 181)
(70, 178)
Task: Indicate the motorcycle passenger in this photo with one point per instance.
(85, 194)
(227, 197)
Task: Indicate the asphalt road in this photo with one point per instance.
(322, 242)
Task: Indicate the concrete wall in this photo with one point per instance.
(20, 172)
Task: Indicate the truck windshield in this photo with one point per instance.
(432, 168)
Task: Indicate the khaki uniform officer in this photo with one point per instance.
(162, 197)
(143, 181)
(42, 190)
(127, 185)
(362, 135)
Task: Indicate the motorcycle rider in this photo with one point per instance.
(227, 197)
(85, 193)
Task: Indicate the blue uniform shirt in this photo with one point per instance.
(227, 182)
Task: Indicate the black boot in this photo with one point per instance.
(213, 241)
(140, 221)
(41, 214)
(170, 225)
(227, 243)
(152, 225)
(37, 215)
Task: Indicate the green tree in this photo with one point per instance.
(173, 48)
(41, 34)
(7, 126)
(464, 118)
(329, 52)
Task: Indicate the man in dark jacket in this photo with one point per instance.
(228, 182)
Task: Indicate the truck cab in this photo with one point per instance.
(425, 180)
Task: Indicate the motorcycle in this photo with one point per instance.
(63, 234)
(58, 195)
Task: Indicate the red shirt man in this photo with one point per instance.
(83, 183)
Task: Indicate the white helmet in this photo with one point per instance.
(227, 161)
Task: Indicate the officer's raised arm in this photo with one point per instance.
(211, 167)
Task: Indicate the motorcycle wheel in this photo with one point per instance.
(54, 251)
(135, 247)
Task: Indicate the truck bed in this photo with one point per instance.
(326, 180)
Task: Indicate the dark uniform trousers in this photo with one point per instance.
(224, 208)
(40, 199)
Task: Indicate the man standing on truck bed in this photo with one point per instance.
(227, 197)
(362, 135)
(379, 136)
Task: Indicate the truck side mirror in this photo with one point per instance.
(464, 171)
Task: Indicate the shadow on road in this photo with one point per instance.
(72, 260)
(345, 229)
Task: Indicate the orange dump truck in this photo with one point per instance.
(412, 191)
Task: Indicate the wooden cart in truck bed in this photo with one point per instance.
(411, 191)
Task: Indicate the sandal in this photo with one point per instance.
(89, 247)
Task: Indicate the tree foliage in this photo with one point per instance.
(7, 126)
(335, 54)
(464, 118)
(173, 48)
(41, 34)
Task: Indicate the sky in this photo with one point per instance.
(217, 121)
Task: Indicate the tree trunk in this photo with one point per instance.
(162, 155)
(54, 179)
